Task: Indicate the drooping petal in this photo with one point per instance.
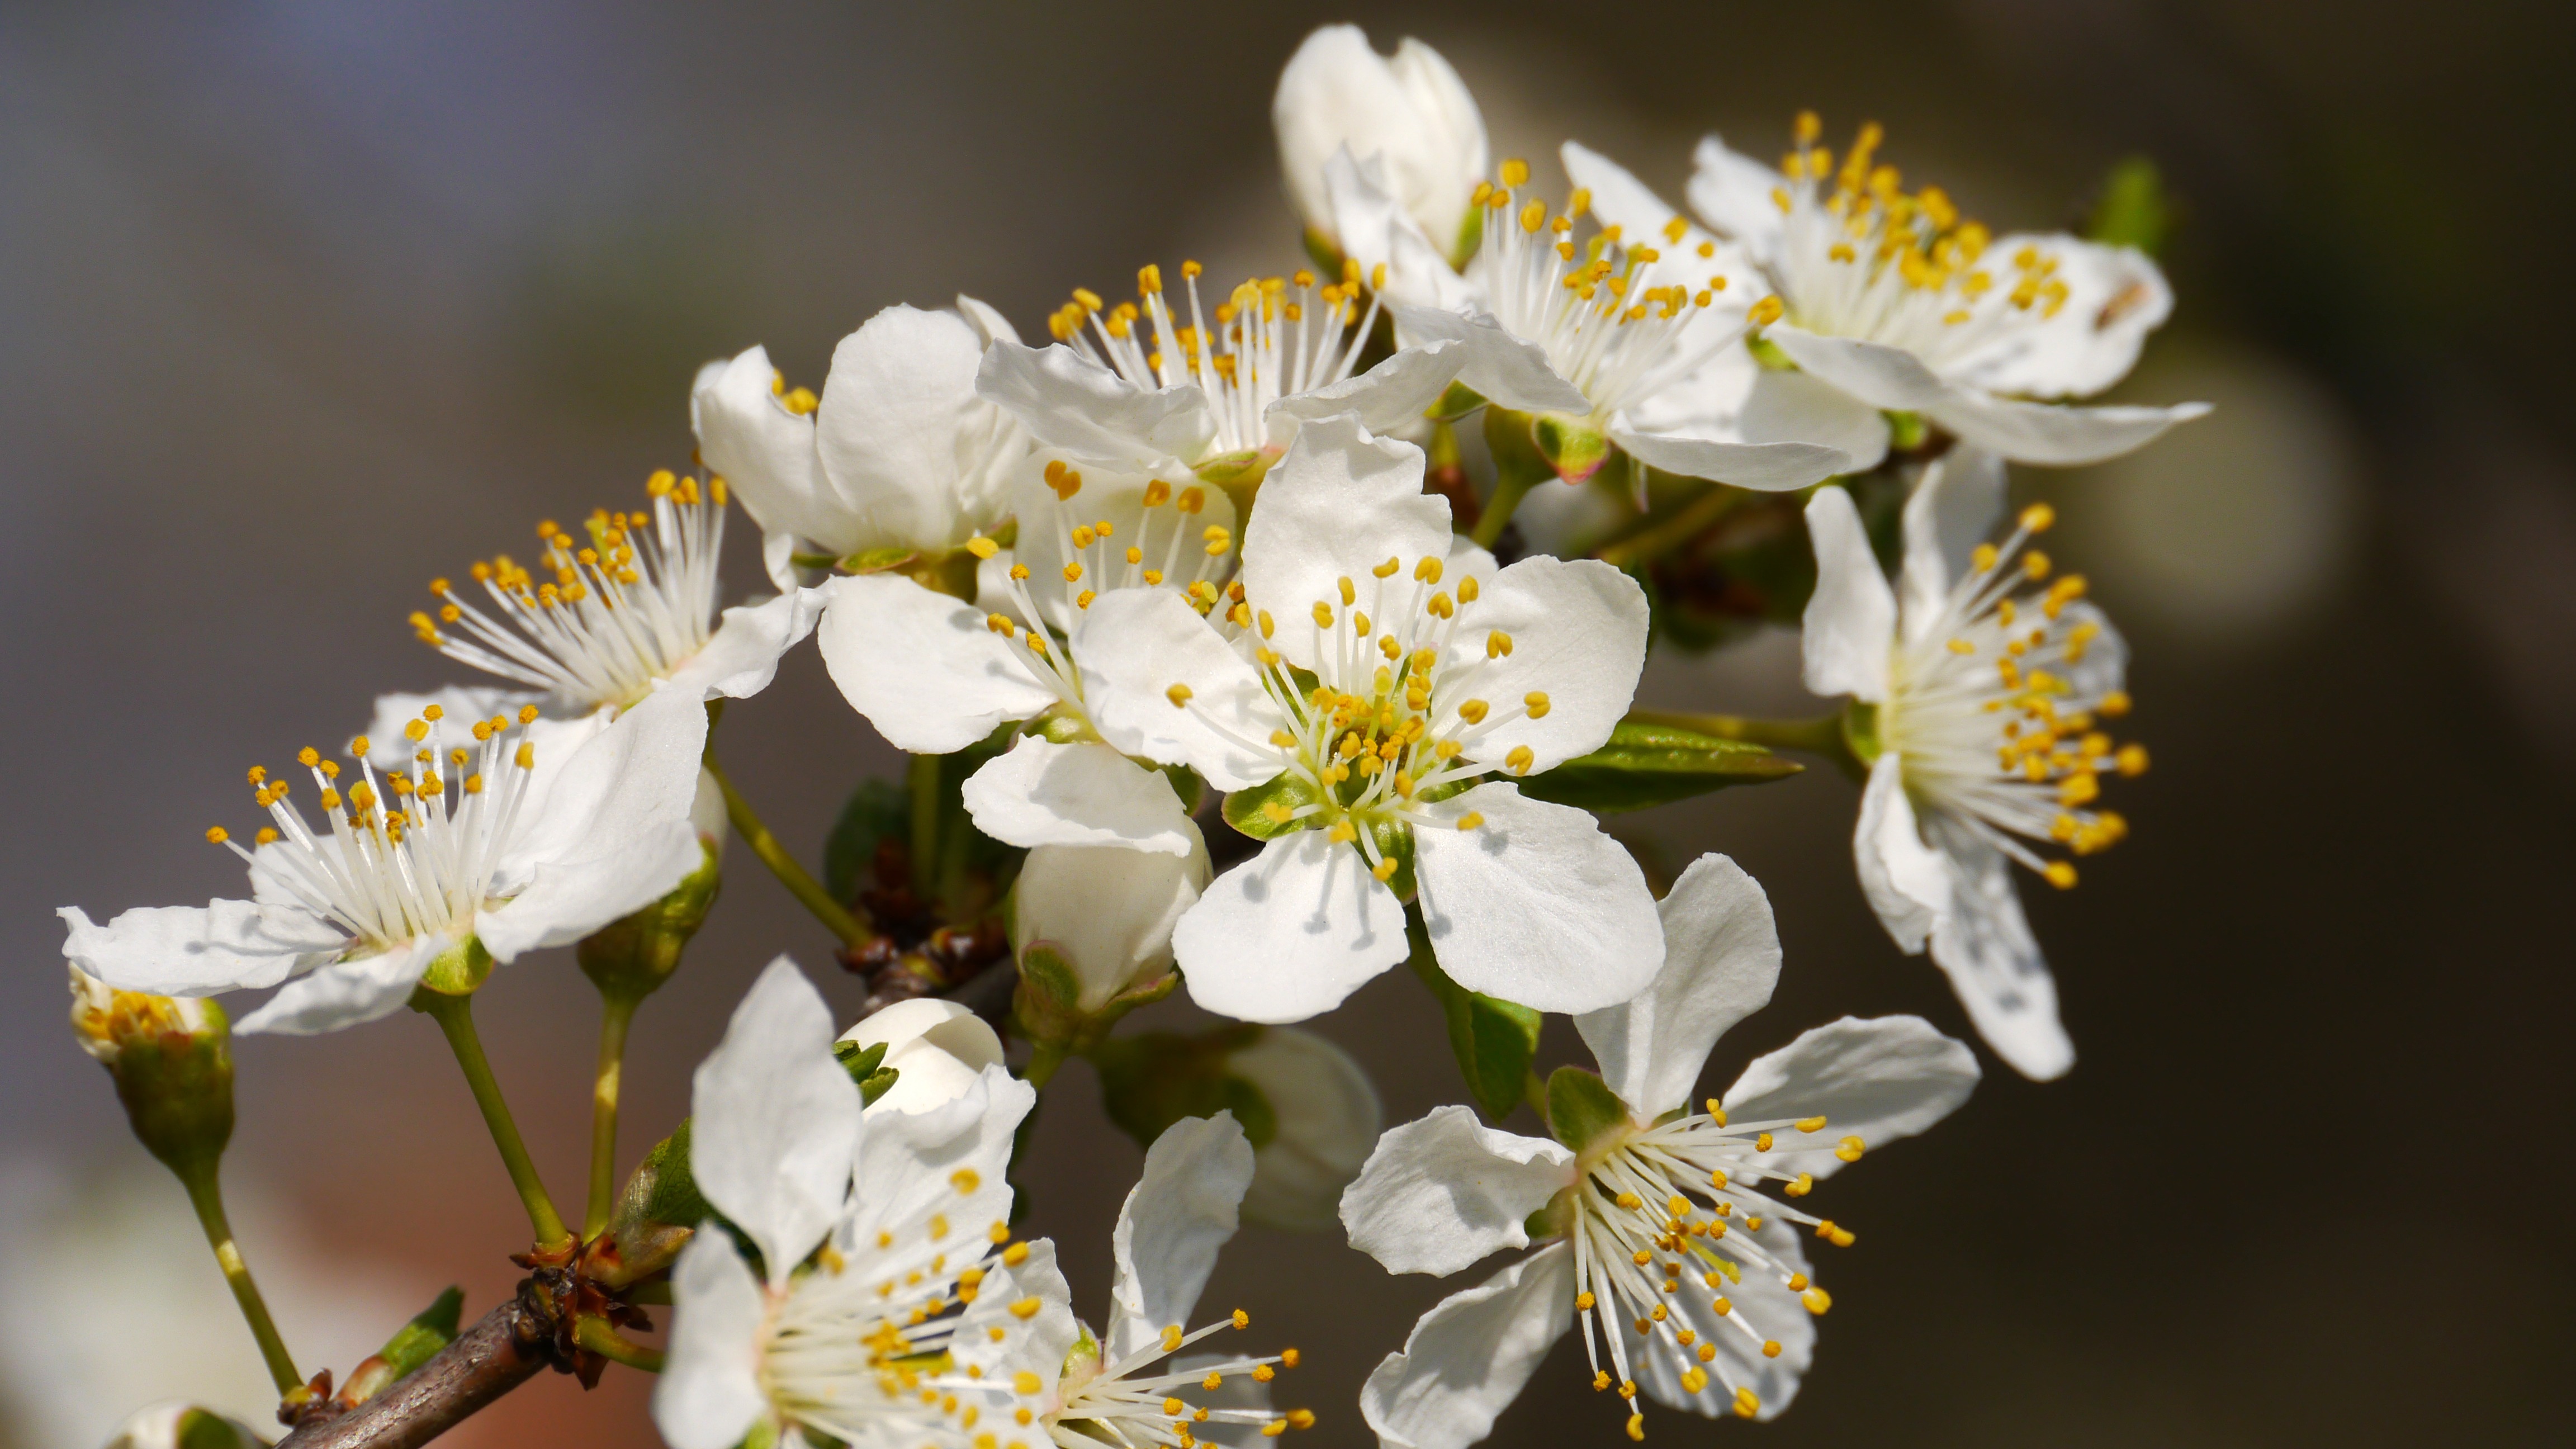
(1107, 910)
(1182, 1210)
(1469, 1357)
(1878, 1079)
(1985, 945)
(1733, 194)
(1439, 1193)
(1951, 512)
(1135, 645)
(1756, 1298)
(1289, 933)
(1761, 467)
(1906, 881)
(346, 993)
(938, 1049)
(1576, 632)
(1851, 617)
(1044, 793)
(2054, 434)
(777, 1120)
(1506, 369)
(709, 1395)
(764, 452)
(742, 656)
(1069, 402)
(1384, 398)
(921, 666)
(198, 950)
(1721, 959)
(1339, 504)
(2115, 296)
(906, 441)
(1536, 904)
(1328, 1119)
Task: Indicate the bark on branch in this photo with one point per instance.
(502, 1351)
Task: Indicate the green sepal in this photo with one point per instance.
(1239, 474)
(1048, 1000)
(1062, 726)
(413, 1344)
(1906, 431)
(866, 1066)
(1454, 403)
(1571, 446)
(947, 571)
(1552, 1220)
(1653, 764)
(1153, 1079)
(1246, 810)
(2133, 210)
(177, 1089)
(876, 1084)
(657, 1211)
(1471, 235)
(1860, 732)
(1494, 1040)
(877, 560)
(1768, 353)
(632, 956)
(1581, 1108)
(459, 970)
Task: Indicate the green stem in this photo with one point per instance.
(1822, 735)
(922, 778)
(1657, 539)
(596, 1335)
(1043, 1062)
(206, 1195)
(1534, 1092)
(455, 1016)
(808, 891)
(616, 1012)
(1509, 489)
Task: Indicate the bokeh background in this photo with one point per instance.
(304, 303)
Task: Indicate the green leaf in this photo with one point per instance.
(2133, 210)
(1153, 1079)
(1249, 810)
(413, 1344)
(1581, 1108)
(1649, 764)
(1494, 1040)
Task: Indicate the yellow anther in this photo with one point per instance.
(1809, 1124)
(1765, 312)
(1851, 1149)
(2059, 874)
(1519, 760)
(1817, 1300)
(1515, 172)
(1026, 1308)
(1536, 702)
(1637, 1427)
(1192, 499)
(1804, 1184)
(1498, 644)
(1287, 1358)
(2132, 759)
(1172, 1338)
(1470, 820)
(1301, 1418)
(217, 835)
(1323, 615)
(2038, 517)
(526, 759)
(1072, 573)
(1241, 1320)
(1762, 1142)
(1747, 1404)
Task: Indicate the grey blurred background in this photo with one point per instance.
(302, 304)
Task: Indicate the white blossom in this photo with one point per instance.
(1408, 112)
(1325, 1117)
(1106, 911)
(939, 1050)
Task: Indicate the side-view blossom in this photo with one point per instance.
(1981, 695)
(183, 1426)
(897, 457)
(620, 605)
(1105, 912)
(1671, 1243)
(1589, 336)
(902, 1214)
(1324, 1120)
(938, 1049)
(534, 834)
(1902, 304)
(1136, 389)
(1436, 680)
(1037, 1367)
(1409, 112)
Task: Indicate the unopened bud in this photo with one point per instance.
(183, 1426)
(1091, 927)
(632, 956)
(173, 1064)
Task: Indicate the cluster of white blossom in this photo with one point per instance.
(1195, 547)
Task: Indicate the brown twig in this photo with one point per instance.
(499, 1353)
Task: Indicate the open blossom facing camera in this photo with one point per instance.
(1983, 691)
(489, 836)
(1431, 671)
(1672, 1247)
(1408, 112)
(1900, 303)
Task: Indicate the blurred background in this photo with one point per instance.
(304, 303)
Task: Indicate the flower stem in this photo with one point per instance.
(1510, 487)
(1657, 539)
(1043, 1062)
(455, 1017)
(616, 1012)
(206, 1195)
(808, 891)
(596, 1335)
(1822, 735)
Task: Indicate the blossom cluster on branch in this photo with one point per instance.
(1248, 642)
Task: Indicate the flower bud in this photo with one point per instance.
(173, 1064)
(936, 1048)
(1411, 111)
(1326, 1120)
(633, 955)
(1106, 913)
(183, 1426)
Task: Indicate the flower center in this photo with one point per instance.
(599, 618)
(1666, 1227)
(1274, 337)
(407, 858)
(1138, 1399)
(1611, 313)
(1994, 709)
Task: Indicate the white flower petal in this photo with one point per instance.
(989, 324)
(198, 950)
(1985, 945)
(742, 656)
(1762, 1300)
(1721, 959)
(1879, 1080)
(1108, 910)
(1535, 905)
(1732, 399)
(1182, 1210)
(1036, 1344)
(1160, 533)
(945, 1164)
(1906, 881)
(764, 453)
(914, 456)
(1506, 369)
(939, 1050)
(2115, 296)
(1578, 640)
(1135, 644)
(1289, 933)
(1340, 503)
(1376, 231)
(1761, 467)
(1412, 113)
(1953, 508)
(777, 1120)
(1469, 1357)
(1851, 617)
(1391, 395)
(462, 703)
(1327, 1117)
(1044, 793)
(2105, 665)
(1067, 401)
(1733, 194)
(709, 1394)
(921, 666)
(1439, 1193)
(2046, 433)
(346, 993)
